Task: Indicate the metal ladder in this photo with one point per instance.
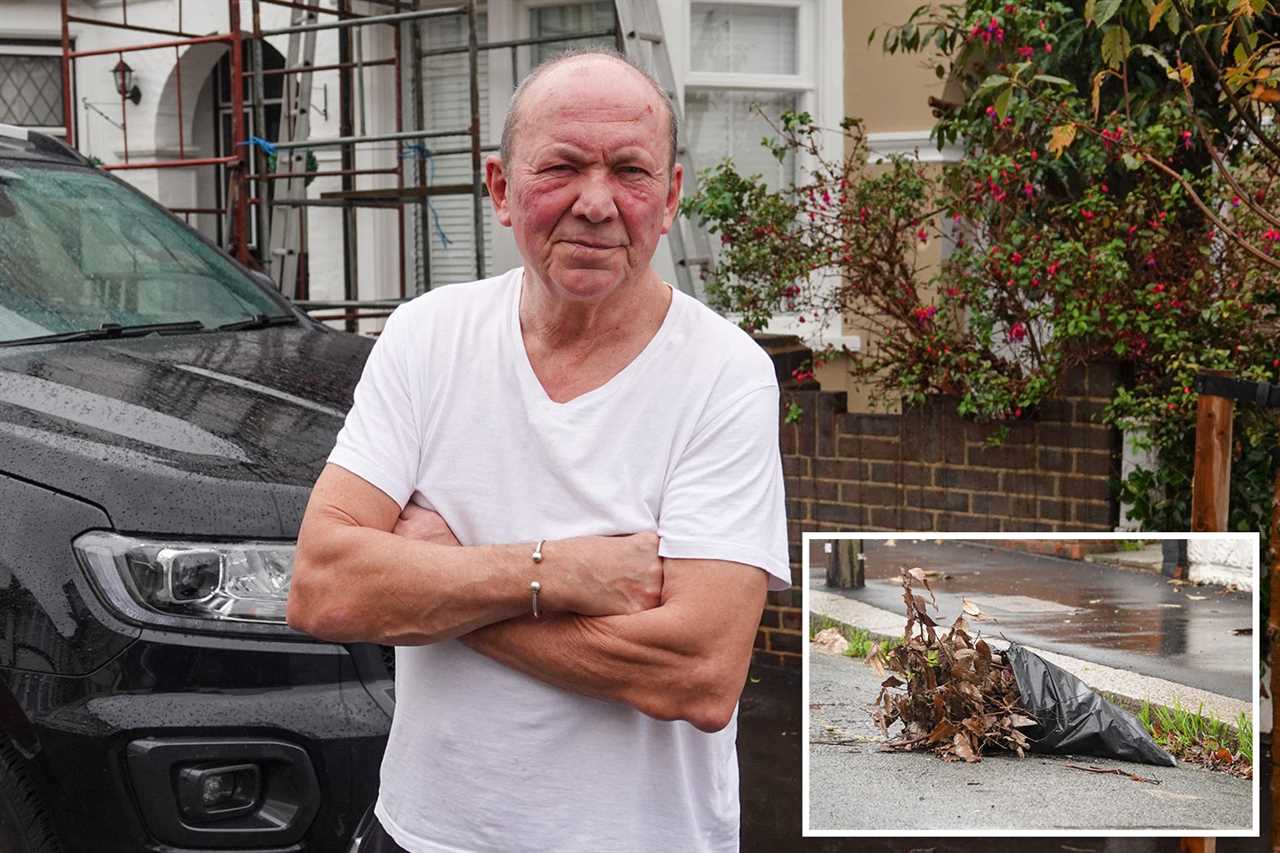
(644, 43)
(286, 220)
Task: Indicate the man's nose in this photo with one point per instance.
(595, 198)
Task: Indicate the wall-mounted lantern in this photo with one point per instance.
(125, 86)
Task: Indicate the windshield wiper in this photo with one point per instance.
(111, 330)
(259, 321)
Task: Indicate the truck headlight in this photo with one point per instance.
(190, 584)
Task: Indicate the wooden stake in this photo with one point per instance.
(1273, 632)
(1210, 500)
(1197, 845)
(1211, 484)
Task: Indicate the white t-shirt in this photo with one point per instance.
(683, 440)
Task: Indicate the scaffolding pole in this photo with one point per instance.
(410, 119)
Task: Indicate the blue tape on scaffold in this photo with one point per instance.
(259, 142)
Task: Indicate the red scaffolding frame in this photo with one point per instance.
(239, 194)
(247, 186)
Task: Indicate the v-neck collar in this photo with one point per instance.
(533, 387)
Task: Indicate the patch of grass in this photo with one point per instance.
(1244, 736)
(1202, 739)
(1131, 545)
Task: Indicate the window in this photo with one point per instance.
(740, 55)
(566, 20)
(31, 86)
(451, 218)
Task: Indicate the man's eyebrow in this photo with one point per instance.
(631, 153)
(562, 149)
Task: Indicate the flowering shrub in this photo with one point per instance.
(1110, 205)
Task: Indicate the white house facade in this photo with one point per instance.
(780, 54)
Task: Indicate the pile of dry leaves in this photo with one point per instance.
(951, 692)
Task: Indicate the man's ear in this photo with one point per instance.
(673, 197)
(496, 180)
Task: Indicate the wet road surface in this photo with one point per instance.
(1124, 619)
(769, 722)
(1039, 792)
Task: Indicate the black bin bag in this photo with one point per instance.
(1073, 719)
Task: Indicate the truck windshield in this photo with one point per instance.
(79, 251)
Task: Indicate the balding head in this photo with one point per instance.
(515, 110)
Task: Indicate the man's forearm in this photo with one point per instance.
(672, 662)
(363, 585)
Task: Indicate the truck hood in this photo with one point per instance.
(207, 434)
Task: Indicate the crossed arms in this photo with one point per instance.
(671, 638)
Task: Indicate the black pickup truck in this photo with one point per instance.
(163, 415)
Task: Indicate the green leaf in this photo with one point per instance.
(1105, 11)
(1131, 161)
(1115, 46)
(1090, 10)
(1049, 78)
(1002, 102)
(995, 81)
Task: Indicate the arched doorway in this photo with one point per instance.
(221, 103)
(213, 133)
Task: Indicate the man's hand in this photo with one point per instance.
(590, 575)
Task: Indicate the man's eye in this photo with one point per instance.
(634, 170)
(558, 168)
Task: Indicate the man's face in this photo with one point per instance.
(587, 191)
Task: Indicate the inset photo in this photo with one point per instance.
(1012, 684)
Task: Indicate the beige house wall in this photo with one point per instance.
(891, 95)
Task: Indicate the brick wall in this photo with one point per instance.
(929, 469)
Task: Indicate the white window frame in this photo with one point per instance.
(819, 80)
(14, 45)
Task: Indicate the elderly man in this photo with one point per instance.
(559, 495)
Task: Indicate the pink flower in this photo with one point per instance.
(1087, 214)
(1017, 331)
(1016, 257)
(1048, 47)
(1186, 139)
(1026, 51)
(1235, 201)
(1053, 268)
(1028, 190)
(923, 235)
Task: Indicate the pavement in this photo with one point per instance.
(1120, 621)
(854, 785)
(769, 753)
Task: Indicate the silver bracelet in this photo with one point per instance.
(534, 586)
